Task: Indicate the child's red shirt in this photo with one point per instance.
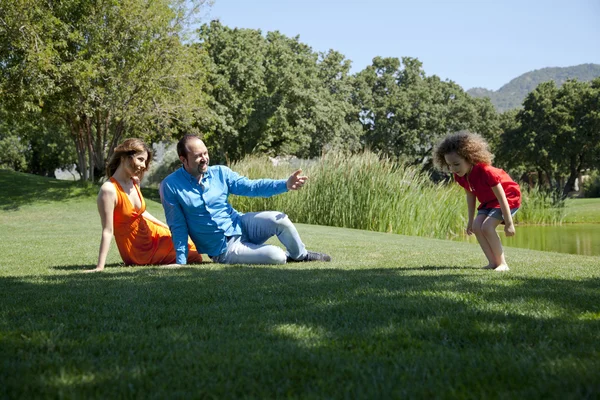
(480, 181)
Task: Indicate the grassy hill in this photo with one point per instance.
(513, 93)
(391, 316)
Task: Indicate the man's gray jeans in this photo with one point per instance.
(257, 228)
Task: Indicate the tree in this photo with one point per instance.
(12, 153)
(578, 113)
(511, 146)
(588, 115)
(236, 59)
(337, 124)
(272, 94)
(404, 112)
(101, 69)
(12, 149)
(538, 130)
(560, 131)
(28, 145)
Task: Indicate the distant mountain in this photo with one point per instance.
(514, 92)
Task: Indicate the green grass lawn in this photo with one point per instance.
(583, 211)
(390, 317)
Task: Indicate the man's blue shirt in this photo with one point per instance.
(202, 210)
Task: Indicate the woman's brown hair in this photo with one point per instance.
(128, 148)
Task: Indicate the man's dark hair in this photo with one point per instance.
(182, 145)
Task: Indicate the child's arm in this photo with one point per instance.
(471, 207)
(509, 227)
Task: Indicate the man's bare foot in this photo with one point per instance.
(502, 267)
(490, 266)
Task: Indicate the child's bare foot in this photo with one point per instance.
(502, 267)
(490, 266)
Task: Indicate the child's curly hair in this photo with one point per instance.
(470, 146)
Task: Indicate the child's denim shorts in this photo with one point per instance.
(496, 212)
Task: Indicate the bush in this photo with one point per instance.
(12, 154)
(591, 186)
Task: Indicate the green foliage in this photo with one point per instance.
(49, 148)
(365, 192)
(540, 206)
(511, 95)
(557, 133)
(404, 113)
(97, 72)
(12, 147)
(35, 146)
(591, 186)
(273, 95)
(12, 153)
(101, 69)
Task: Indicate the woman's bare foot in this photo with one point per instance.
(173, 266)
(490, 266)
(502, 267)
(87, 271)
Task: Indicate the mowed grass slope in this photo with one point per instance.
(391, 317)
(583, 211)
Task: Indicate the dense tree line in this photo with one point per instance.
(556, 134)
(99, 71)
(78, 76)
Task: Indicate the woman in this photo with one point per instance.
(141, 238)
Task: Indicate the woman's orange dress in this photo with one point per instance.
(141, 241)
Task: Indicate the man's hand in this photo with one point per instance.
(296, 181)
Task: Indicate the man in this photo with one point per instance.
(195, 199)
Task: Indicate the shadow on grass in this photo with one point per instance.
(85, 267)
(441, 268)
(80, 267)
(19, 189)
(265, 332)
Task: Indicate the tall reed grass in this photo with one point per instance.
(540, 207)
(366, 192)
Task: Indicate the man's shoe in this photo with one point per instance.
(311, 256)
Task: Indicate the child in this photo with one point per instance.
(466, 155)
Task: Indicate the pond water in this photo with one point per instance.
(581, 239)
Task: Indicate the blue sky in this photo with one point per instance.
(474, 43)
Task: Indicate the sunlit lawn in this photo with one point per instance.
(583, 211)
(391, 317)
